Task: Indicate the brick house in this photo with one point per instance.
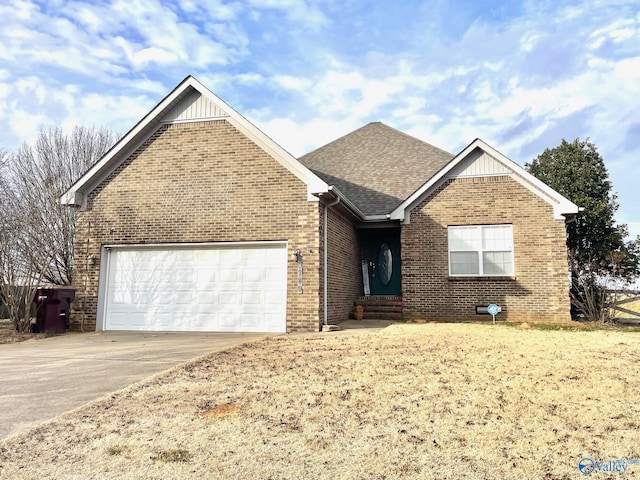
(197, 221)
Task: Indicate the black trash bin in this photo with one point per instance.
(53, 309)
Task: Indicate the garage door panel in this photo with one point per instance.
(162, 319)
(250, 274)
(250, 298)
(213, 288)
(272, 275)
(138, 319)
(206, 299)
(228, 321)
(184, 298)
(231, 257)
(229, 297)
(272, 320)
(205, 276)
(165, 300)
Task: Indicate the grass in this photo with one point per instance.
(412, 401)
(578, 327)
(175, 455)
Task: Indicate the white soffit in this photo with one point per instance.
(193, 108)
(478, 164)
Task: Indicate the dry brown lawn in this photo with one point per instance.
(437, 401)
(8, 333)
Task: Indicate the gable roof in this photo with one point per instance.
(189, 101)
(376, 167)
(378, 172)
(502, 166)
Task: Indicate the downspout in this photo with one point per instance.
(325, 248)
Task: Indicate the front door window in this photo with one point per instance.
(385, 264)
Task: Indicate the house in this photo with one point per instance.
(197, 221)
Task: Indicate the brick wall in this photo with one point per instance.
(344, 270)
(200, 182)
(539, 292)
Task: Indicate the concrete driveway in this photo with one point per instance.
(43, 378)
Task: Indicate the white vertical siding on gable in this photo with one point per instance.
(194, 107)
(478, 164)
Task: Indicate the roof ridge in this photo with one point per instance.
(337, 139)
(415, 138)
(378, 122)
(376, 166)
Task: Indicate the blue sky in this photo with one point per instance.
(521, 75)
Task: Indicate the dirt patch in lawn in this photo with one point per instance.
(412, 401)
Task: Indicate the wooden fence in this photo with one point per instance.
(625, 306)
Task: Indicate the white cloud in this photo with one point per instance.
(98, 39)
(619, 30)
(310, 71)
(213, 9)
(141, 57)
(300, 138)
(249, 78)
(300, 12)
(25, 125)
(289, 82)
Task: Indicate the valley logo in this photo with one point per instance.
(588, 466)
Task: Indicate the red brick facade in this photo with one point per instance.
(201, 182)
(206, 182)
(538, 293)
(344, 270)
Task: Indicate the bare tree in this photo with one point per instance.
(20, 273)
(39, 174)
(588, 291)
(593, 282)
(36, 230)
(3, 223)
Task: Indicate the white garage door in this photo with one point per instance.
(209, 289)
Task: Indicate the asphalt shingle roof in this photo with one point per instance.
(376, 167)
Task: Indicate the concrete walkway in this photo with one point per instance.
(40, 379)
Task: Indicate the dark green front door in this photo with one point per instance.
(384, 261)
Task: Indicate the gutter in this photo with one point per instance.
(342, 198)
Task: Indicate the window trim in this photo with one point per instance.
(480, 252)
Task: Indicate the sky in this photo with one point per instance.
(521, 75)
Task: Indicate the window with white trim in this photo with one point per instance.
(481, 250)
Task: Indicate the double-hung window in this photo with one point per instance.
(481, 250)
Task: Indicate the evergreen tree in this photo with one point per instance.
(598, 249)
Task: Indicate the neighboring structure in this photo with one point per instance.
(196, 220)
